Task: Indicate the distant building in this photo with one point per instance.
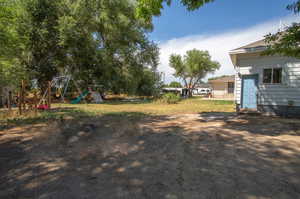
(203, 85)
(222, 87)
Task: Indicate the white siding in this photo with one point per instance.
(271, 94)
(238, 89)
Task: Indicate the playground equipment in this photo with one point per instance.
(97, 97)
(61, 84)
(24, 102)
(34, 99)
(80, 97)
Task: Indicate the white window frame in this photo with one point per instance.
(272, 68)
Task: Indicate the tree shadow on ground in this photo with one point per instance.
(29, 117)
(128, 101)
(254, 123)
(134, 155)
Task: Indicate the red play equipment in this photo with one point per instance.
(43, 107)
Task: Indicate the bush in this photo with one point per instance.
(170, 98)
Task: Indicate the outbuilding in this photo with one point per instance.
(223, 87)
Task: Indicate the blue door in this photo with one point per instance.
(249, 91)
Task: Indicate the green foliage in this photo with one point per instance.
(8, 34)
(286, 42)
(194, 66)
(98, 42)
(150, 84)
(11, 74)
(170, 98)
(39, 24)
(294, 6)
(175, 85)
(148, 8)
(11, 70)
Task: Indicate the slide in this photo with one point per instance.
(80, 97)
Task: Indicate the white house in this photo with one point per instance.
(269, 84)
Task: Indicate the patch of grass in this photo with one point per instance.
(29, 117)
(192, 105)
(130, 110)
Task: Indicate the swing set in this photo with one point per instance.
(31, 100)
(61, 85)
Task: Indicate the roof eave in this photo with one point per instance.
(247, 50)
(234, 53)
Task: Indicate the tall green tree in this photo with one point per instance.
(37, 24)
(106, 43)
(193, 67)
(286, 42)
(11, 71)
(97, 41)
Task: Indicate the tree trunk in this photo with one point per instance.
(190, 92)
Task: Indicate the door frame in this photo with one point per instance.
(242, 89)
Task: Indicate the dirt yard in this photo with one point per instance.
(184, 156)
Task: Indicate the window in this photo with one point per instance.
(277, 75)
(230, 87)
(267, 76)
(272, 76)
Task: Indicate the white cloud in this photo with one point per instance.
(218, 45)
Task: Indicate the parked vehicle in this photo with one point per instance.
(201, 91)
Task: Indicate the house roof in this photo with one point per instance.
(256, 44)
(202, 86)
(254, 47)
(223, 79)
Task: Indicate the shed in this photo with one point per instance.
(223, 87)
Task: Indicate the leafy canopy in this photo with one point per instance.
(193, 66)
(97, 41)
(287, 41)
(11, 71)
(148, 8)
(175, 84)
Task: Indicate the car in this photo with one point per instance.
(204, 91)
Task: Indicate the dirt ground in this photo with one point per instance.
(187, 156)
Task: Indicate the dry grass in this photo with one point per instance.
(136, 109)
(194, 105)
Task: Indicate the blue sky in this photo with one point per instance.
(217, 27)
(216, 17)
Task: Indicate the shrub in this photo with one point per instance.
(170, 98)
